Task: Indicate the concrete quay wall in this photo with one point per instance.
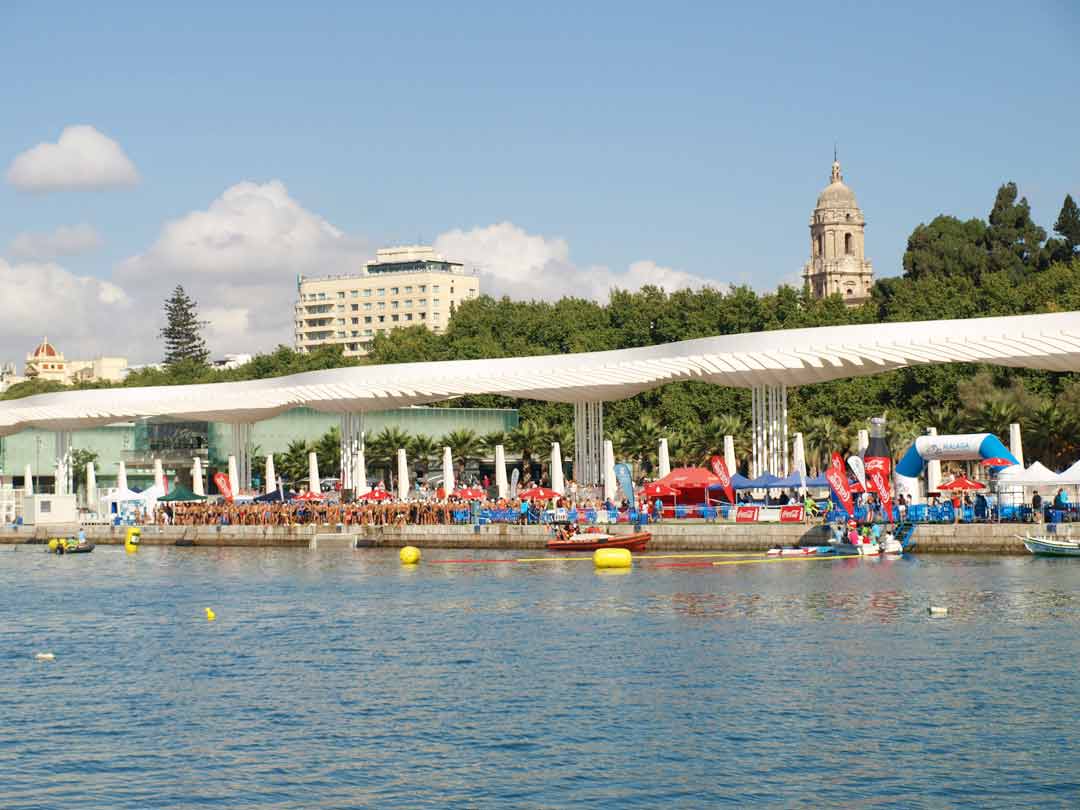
(671, 536)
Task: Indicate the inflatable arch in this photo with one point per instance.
(965, 447)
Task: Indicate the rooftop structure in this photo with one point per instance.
(403, 286)
(46, 362)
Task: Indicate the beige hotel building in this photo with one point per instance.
(403, 286)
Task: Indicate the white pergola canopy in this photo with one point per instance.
(778, 358)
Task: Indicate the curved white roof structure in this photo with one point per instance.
(782, 357)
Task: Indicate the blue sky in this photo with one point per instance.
(604, 137)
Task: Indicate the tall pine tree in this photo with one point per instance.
(1068, 224)
(182, 332)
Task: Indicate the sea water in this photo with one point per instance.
(342, 680)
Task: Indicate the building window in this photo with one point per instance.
(381, 291)
(354, 333)
(849, 248)
(408, 316)
(434, 287)
(393, 290)
(394, 318)
(355, 321)
(408, 302)
(354, 294)
(367, 319)
(435, 316)
(393, 305)
(382, 305)
(367, 293)
(340, 321)
(423, 316)
(820, 245)
(341, 334)
(382, 319)
(435, 302)
(341, 294)
(355, 307)
(423, 288)
(408, 289)
(367, 333)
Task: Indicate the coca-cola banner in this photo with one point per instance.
(836, 475)
(791, 514)
(878, 473)
(746, 514)
(720, 469)
(221, 480)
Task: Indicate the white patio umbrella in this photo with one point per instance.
(270, 475)
(1016, 446)
(28, 481)
(610, 485)
(729, 454)
(159, 475)
(402, 475)
(91, 487)
(664, 465)
(234, 477)
(933, 469)
(557, 483)
(360, 486)
(447, 471)
(501, 483)
(313, 472)
(197, 477)
(121, 478)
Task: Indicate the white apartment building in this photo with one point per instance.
(403, 286)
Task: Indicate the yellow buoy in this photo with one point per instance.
(612, 558)
(410, 555)
(131, 539)
(45, 656)
(210, 615)
(53, 543)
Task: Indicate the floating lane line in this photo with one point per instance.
(588, 558)
(801, 558)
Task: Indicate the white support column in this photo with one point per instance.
(769, 430)
(242, 451)
(352, 440)
(588, 442)
(63, 483)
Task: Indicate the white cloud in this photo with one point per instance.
(523, 265)
(83, 316)
(239, 259)
(82, 159)
(67, 240)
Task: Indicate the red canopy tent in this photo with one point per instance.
(376, 495)
(538, 494)
(962, 483)
(470, 493)
(692, 484)
(658, 489)
(308, 496)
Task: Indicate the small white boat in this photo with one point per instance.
(1052, 546)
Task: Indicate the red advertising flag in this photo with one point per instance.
(221, 480)
(837, 478)
(720, 469)
(878, 471)
(746, 514)
(791, 514)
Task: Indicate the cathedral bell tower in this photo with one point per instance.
(838, 265)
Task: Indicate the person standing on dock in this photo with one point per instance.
(1036, 507)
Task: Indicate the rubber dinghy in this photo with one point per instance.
(67, 545)
(568, 538)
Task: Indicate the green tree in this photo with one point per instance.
(328, 450)
(292, 465)
(822, 437)
(528, 439)
(641, 442)
(947, 247)
(422, 449)
(182, 332)
(80, 457)
(1014, 241)
(464, 445)
(1067, 227)
(381, 449)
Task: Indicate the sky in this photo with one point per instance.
(557, 148)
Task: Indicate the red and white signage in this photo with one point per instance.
(221, 480)
(791, 514)
(747, 514)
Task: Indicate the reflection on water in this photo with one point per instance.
(336, 680)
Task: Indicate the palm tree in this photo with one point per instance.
(900, 434)
(822, 437)
(328, 449)
(947, 420)
(563, 433)
(422, 449)
(292, 465)
(708, 440)
(641, 440)
(1050, 435)
(496, 437)
(528, 439)
(464, 444)
(381, 451)
(995, 416)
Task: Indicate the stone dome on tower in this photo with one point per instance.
(837, 263)
(44, 349)
(837, 194)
